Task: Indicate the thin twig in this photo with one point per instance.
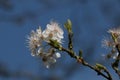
(109, 75)
(70, 44)
(98, 71)
(88, 65)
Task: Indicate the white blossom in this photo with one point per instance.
(48, 59)
(107, 43)
(53, 31)
(112, 42)
(38, 43)
(33, 42)
(114, 31)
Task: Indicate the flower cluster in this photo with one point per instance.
(38, 43)
(112, 42)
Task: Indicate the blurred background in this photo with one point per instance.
(91, 19)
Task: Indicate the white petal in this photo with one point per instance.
(46, 33)
(60, 35)
(32, 54)
(61, 31)
(39, 31)
(57, 55)
(39, 51)
(50, 27)
(115, 56)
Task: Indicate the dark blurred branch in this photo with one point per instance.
(6, 73)
(18, 18)
(6, 5)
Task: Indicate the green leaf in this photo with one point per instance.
(68, 25)
(100, 66)
(114, 37)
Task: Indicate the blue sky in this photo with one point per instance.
(91, 19)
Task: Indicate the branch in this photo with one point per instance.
(81, 60)
(98, 71)
(70, 44)
(115, 64)
(84, 63)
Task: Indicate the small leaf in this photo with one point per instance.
(100, 66)
(114, 37)
(68, 26)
